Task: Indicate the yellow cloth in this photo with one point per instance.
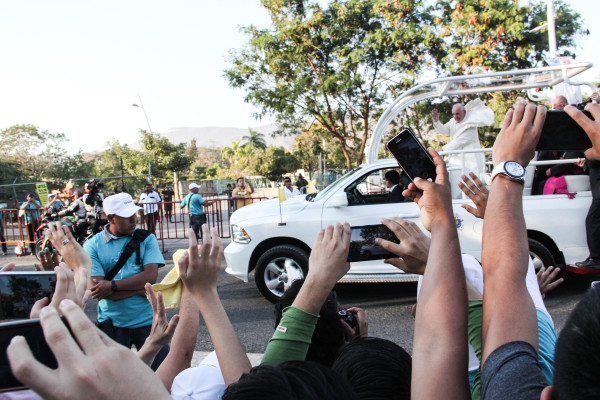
(171, 285)
(311, 187)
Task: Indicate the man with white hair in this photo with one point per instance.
(195, 203)
(462, 129)
(123, 260)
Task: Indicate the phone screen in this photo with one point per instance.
(562, 133)
(32, 331)
(362, 243)
(412, 155)
(19, 290)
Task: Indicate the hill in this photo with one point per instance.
(216, 137)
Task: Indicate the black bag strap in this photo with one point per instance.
(139, 235)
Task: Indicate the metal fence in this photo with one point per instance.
(17, 228)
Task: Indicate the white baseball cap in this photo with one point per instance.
(194, 185)
(120, 204)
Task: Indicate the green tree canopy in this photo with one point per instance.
(334, 66)
(273, 162)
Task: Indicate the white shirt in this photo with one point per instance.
(150, 199)
(290, 193)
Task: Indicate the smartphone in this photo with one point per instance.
(19, 290)
(34, 335)
(362, 243)
(562, 133)
(411, 155)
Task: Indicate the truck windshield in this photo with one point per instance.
(331, 186)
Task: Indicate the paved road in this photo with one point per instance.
(388, 306)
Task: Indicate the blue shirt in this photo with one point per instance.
(105, 249)
(31, 213)
(194, 201)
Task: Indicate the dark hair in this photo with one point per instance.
(30, 194)
(300, 380)
(393, 176)
(287, 179)
(376, 368)
(577, 357)
(238, 179)
(77, 192)
(147, 184)
(328, 336)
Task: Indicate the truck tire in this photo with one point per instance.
(270, 274)
(542, 257)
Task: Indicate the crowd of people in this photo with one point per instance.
(481, 330)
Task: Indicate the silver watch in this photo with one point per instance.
(511, 169)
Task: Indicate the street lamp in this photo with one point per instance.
(141, 105)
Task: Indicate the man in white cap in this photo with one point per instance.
(195, 203)
(123, 260)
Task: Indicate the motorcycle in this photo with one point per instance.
(81, 230)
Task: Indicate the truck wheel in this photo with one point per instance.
(274, 267)
(542, 257)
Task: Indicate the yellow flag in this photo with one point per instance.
(281, 195)
(311, 187)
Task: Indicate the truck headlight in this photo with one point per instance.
(239, 235)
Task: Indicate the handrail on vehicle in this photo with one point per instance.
(522, 79)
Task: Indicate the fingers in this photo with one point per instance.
(470, 209)
(37, 307)
(582, 120)
(151, 297)
(58, 337)
(183, 264)
(83, 329)
(27, 369)
(82, 285)
(361, 318)
(170, 331)
(193, 244)
(396, 262)
(539, 119)
(507, 119)
(440, 167)
(519, 110)
(8, 267)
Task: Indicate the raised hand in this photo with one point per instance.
(520, 134)
(591, 127)
(72, 253)
(66, 288)
(327, 263)
(161, 332)
(436, 200)
(90, 364)
(547, 281)
(49, 260)
(413, 248)
(477, 192)
(8, 267)
(435, 115)
(199, 267)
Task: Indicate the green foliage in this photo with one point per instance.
(332, 67)
(273, 162)
(33, 155)
(255, 140)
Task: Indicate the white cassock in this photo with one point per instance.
(463, 135)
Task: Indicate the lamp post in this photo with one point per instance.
(141, 105)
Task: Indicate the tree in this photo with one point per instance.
(332, 67)
(255, 140)
(232, 152)
(273, 162)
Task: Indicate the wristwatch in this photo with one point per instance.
(510, 169)
(113, 286)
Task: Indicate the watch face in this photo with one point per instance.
(514, 169)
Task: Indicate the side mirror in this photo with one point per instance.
(338, 200)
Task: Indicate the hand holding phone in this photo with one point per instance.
(412, 155)
(362, 243)
(562, 133)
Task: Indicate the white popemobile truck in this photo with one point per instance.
(277, 246)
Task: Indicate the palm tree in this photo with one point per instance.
(231, 153)
(255, 139)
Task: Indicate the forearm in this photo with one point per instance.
(441, 128)
(230, 353)
(292, 338)
(136, 282)
(506, 301)
(440, 344)
(123, 294)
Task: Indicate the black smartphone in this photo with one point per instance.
(562, 133)
(362, 243)
(411, 155)
(19, 290)
(32, 331)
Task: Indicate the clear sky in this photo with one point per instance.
(77, 66)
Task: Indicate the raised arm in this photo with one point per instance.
(508, 311)
(440, 338)
(199, 269)
(327, 264)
